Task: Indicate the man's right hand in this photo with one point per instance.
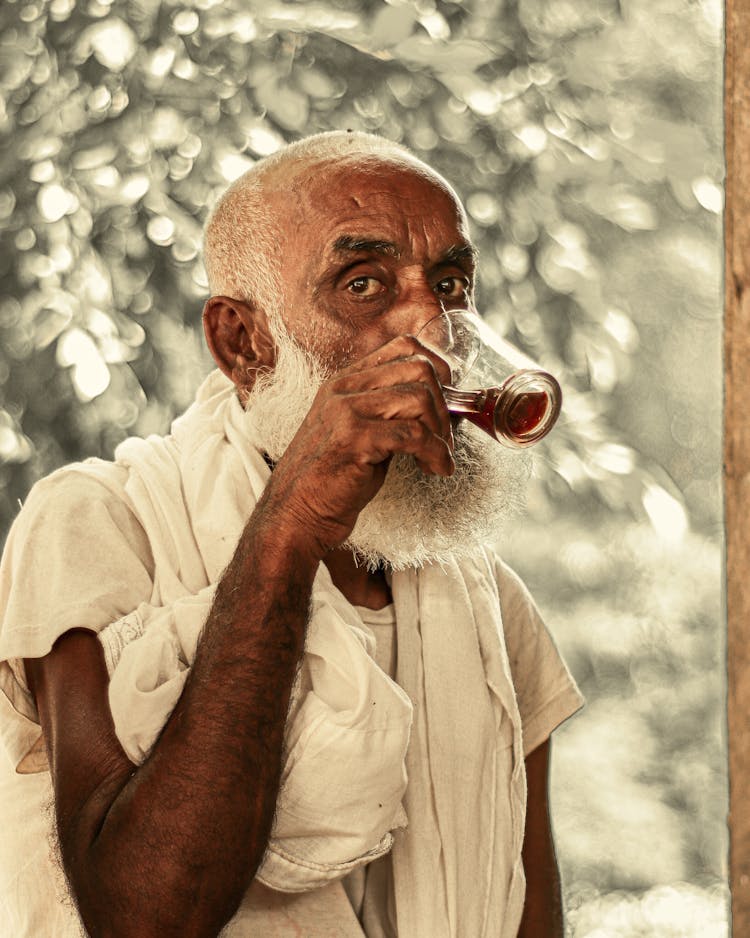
(388, 402)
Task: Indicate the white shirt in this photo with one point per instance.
(78, 557)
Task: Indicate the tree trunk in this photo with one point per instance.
(737, 448)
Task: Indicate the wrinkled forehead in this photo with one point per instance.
(372, 172)
(373, 189)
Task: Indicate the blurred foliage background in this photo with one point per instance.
(585, 138)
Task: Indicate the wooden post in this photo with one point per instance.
(737, 449)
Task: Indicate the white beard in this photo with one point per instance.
(415, 518)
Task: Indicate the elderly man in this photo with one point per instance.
(264, 667)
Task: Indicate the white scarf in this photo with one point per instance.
(457, 868)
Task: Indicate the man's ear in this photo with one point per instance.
(239, 339)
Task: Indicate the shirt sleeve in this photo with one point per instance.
(76, 557)
(545, 690)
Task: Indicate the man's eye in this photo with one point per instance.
(452, 287)
(364, 286)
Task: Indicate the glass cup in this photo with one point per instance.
(493, 384)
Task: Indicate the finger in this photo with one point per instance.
(370, 427)
(403, 370)
(414, 438)
(403, 377)
(415, 401)
(403, 346)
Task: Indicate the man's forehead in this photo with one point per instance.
(372, 178)
(371, 199)
(312, 182)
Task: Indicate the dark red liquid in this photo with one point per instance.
(527, 412)
(486, 417)
(524, 416)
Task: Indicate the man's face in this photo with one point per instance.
(374, 254)
(371, 251)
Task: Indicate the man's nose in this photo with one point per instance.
(415, 306)
(412, 311)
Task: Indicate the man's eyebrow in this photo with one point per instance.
(347, 244)
(460, 254)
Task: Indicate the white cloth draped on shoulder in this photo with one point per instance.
(451, 721)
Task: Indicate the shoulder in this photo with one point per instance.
(95, 479)
(514, 594)
(75, 521)
(526, 634)
(76, 557)
(81, 497)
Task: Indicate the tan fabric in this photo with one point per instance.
(322, 913)
(370, 888)
(428, 607)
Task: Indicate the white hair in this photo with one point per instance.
(242, 240)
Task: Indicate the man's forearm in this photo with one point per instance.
(186, 833)
(542, 911)
(168, 849)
